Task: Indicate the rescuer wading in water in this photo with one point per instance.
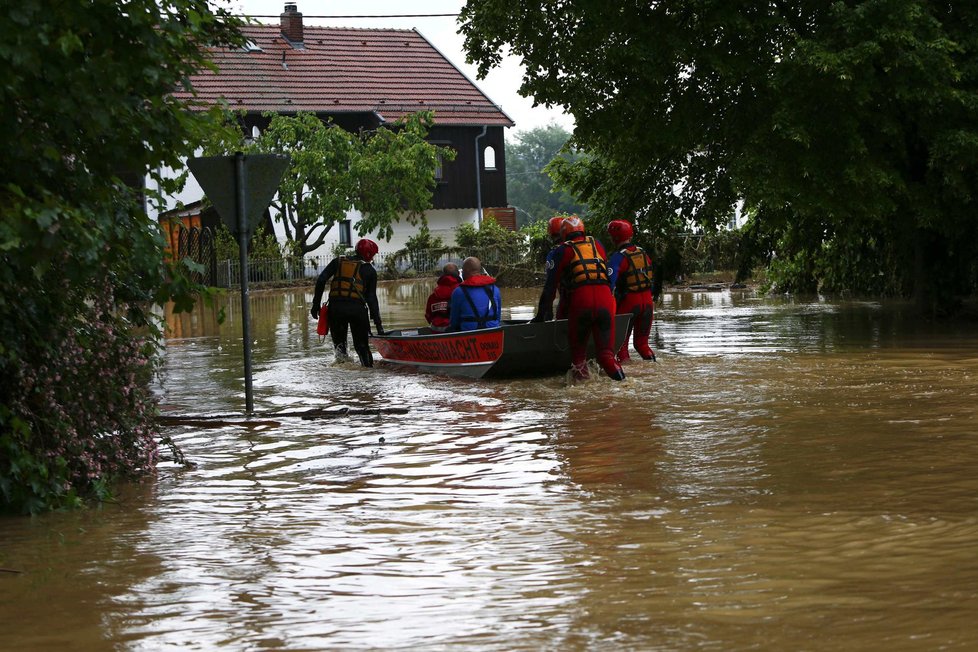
(630, 272)
(580, 266)
(352, 292)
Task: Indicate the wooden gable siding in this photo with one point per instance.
(457, 188)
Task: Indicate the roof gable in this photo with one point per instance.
(344, 70)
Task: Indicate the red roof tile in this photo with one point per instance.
(342, 70)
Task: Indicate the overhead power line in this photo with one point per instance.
(370, 16)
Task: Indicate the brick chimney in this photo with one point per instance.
(292, 24)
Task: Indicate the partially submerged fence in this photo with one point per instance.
(687, 254)
(402, 264)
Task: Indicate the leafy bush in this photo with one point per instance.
(80, 261)
(264, 245)
(68, 427)
(537, 240)
(488, 242)
(340, 249)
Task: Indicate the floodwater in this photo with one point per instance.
(788, 476)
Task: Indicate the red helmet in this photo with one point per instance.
(570, 226)
(553, 226)
(620, 231)
(366, 249)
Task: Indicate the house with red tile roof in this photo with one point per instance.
(361, 79)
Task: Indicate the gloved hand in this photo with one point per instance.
(536, 319)
(314, 311)
(380, 331)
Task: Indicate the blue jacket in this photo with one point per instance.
(475, 304)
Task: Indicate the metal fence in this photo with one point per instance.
(389, 265)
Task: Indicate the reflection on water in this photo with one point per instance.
(787, 476)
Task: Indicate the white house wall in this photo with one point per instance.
(442, 222)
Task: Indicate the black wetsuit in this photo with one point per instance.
(349, 301)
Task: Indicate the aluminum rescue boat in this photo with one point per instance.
(514, 349)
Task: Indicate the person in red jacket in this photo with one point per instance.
(436, 312)
(580, 265)
(630, 273)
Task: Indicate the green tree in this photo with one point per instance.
(85, 100)
(528, 184)
(848, 128)
(386, 174)
(395, 174)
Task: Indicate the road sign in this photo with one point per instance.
(241, 187)
(217, 176)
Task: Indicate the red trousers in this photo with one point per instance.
(591, 315)
(640, 306)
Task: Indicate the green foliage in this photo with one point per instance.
(849, 129)
(225, 244)
(263, 246)
(528, 185)
(317, 188)
(422, 252)
(395, 174)
(537, 241)
(79, 413)
(423, 240)
(84, 91)
(487, 243)
(340, 249)
(385, 174)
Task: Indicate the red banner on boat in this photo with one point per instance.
(453, 348)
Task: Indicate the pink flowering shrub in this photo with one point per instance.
(80, 413)
(80, 259)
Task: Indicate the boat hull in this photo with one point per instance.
(469, 354)
(515, 349)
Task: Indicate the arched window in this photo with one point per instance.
(489, 158)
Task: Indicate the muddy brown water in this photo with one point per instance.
(790, 475)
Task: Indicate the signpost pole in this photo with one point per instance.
(239, 184)
(240, 188)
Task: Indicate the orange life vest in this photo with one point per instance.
(638, 276)
(346, 283)
(588, 266)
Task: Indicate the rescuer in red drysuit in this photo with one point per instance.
(580, 264)
(436, 311)
(553, 230)
(630, 273)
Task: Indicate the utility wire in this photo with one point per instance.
(370, 16)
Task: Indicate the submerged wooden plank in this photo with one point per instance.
(268, 418)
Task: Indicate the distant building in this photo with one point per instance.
(361, 79)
